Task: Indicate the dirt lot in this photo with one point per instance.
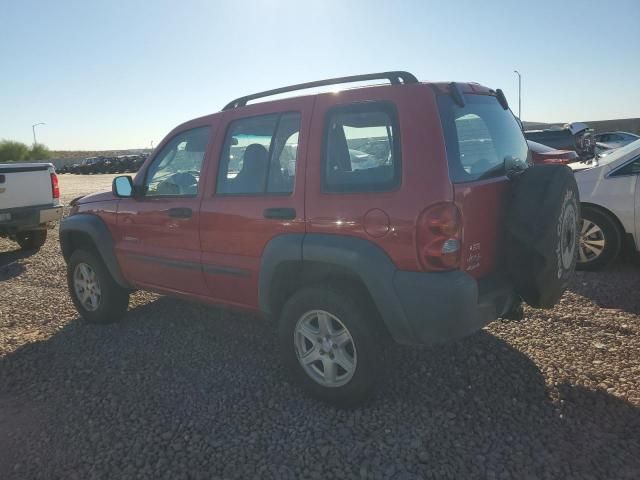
(178, 390)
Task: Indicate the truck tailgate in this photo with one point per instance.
(25, 184)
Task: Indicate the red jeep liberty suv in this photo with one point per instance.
(405, 211)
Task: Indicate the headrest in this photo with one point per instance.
(255, 154)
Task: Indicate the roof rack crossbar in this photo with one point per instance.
(395, 78)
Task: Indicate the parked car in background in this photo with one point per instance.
(102, 164)
(541, 154)
(609, 140)
(575, 136)
(29, 202)
(89, 166)
(386, 229)
(74, 168)
(610, 196)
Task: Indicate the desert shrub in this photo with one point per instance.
(11, 151)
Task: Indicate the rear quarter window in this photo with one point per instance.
(480, 138)
(361, 148)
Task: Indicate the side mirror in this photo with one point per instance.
(122, 186)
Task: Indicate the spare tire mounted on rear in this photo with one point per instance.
(543, 221)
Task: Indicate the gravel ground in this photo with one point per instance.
(178, 390)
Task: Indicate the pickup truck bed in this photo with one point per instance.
(29, 202)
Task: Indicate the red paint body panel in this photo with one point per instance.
(542, 154)
(233, 230)
(560, 157)
(425, 178)
(148, 235)
(106, 209)
(148, 239)
(482, 204)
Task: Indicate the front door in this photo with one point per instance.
(256, 194)
(158, 242)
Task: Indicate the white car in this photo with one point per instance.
(610, 197)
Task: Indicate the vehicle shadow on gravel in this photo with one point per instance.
(9, 267)
(177, 388)
(615, 287)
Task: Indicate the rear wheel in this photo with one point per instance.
(31, 240)
(600, 240)
(96, 295)
(330, 345)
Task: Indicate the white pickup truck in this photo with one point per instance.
(29, 202)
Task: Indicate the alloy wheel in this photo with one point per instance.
(325, 348)
(87, 286)
(592, 241)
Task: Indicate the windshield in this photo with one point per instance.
(480, 138)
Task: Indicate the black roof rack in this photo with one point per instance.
(394, 77)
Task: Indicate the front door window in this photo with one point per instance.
(176, 169)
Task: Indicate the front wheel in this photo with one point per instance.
(600, 240)
(330, 345)
(96, 295)
(31, 240)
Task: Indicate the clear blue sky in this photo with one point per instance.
(118, 74)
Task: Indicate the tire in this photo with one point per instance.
(31, 240)
(600, 240)
(543, 223)
(110, 302)
(364, 345)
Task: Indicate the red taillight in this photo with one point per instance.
(55, 188)
(439, 237)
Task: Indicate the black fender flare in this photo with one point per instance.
(360, 257)
(100, 235)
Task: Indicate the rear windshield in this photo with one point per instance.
(481, 138)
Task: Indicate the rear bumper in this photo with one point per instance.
(440, 307)
(14, 220)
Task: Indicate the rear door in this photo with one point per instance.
(255, 194)
(158, 242)
(481, 137)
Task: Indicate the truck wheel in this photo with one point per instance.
(31, 240)
(329, 347)
(97, 297)
(600, 240)
(543, 223)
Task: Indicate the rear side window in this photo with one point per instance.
(259, 155)
(361, 148)
(481, 138)
(631, 168)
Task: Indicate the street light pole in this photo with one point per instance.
(519, 94)
(33, 128)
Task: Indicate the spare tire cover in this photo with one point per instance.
(543, 221)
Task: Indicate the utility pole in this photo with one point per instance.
(33, 128)
(519, 94)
